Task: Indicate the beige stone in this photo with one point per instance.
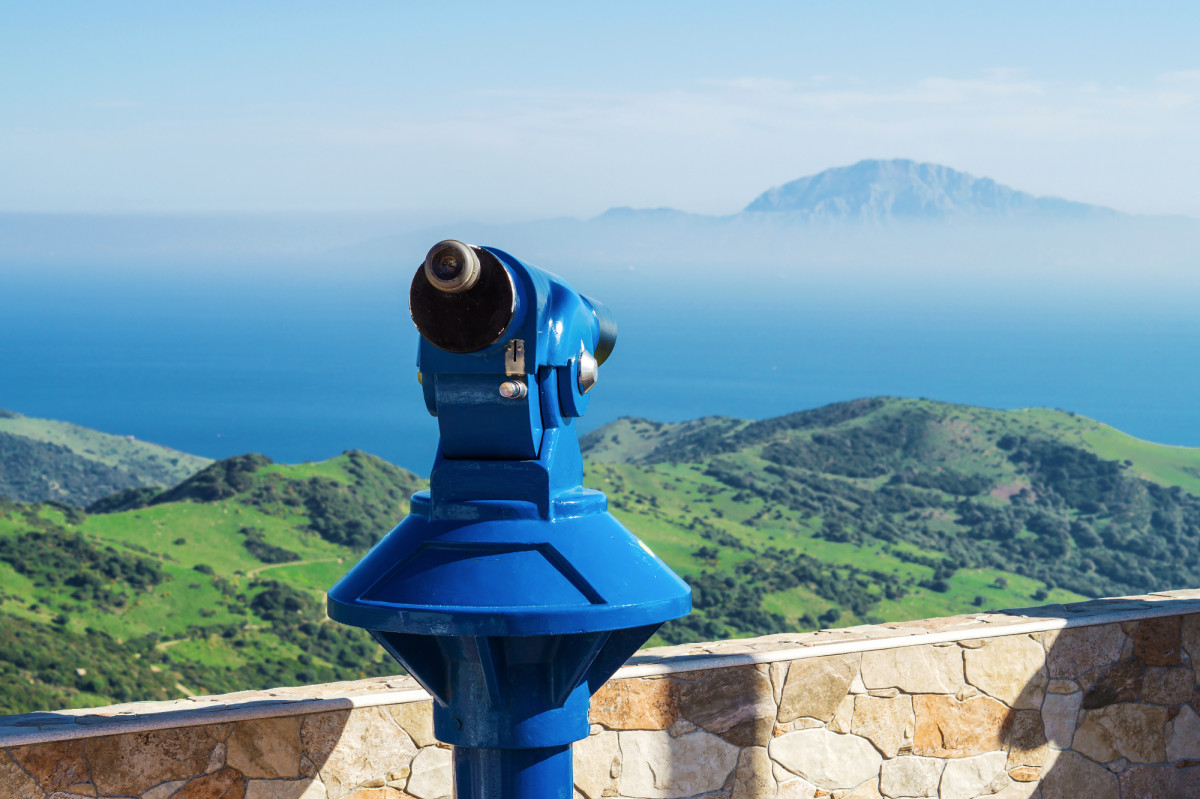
(883, 722)
(1168, 686)
(352, 749)
(734, 703)
(946, 727)
(597, 764)
(1125, 730)
(915, 669)
(378, 793)
(1027, 745)
(828, 760)
(129, 764)
(1076, 650)
(15, 782)
(657, 766)
(265, 748)
(843, 716)
(1060, 713)
(1160, 782)
(1011, 668)
(1018, 790)
(911, 777)
(1062, 687)
(969, 777)
(1183, 741)
(1158, 642)
(1025, 773)
(285, 789)
(643, 704)
(867, 790)
(796, 788)
(162, 791)
(432, 774)
(777, 673)
(416, 719)
(752, 777)
(816, 686)
(224, 784)
(1075, 777)
(56, 765)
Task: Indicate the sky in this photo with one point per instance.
(508, 111)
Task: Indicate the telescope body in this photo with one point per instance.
(509, 592)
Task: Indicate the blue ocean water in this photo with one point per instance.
(303, 366)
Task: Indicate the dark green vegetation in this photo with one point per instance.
(894, 509)
(871, 510)
(41, 459)
(214, 585)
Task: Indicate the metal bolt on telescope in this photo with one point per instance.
(509, 593)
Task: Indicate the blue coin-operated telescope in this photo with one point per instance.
(510, 593)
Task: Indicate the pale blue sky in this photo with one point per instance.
(502, 111)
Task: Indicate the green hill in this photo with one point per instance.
(878, 509)
(43, 459)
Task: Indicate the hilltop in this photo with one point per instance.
(877, 509)
(44, 459)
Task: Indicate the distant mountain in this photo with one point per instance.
(901, 189)
(43, 459)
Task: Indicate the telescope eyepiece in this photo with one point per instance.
(452, 266)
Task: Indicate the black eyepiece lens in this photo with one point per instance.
(446, 265)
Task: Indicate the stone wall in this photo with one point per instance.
(1093, 700)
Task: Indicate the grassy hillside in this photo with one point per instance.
(873, 510)
(895, 509)
(43, 459)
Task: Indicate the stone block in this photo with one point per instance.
(265, 748)
(887, 723)
(351, 749)
(15, 782)
(224, 784)
(1135, 732)
(1077, 650)
(1011, 668)
(1075, 777)
(657, 766)
(1121, 682)
(1160, 782)
(1168, 686)
(734, 703)
(1159, 642)
(130, 764)
(843, 716)
(285, 789)
(643, 704)
(946, 727)
(911, 777)
(967, 778)
(796, 788)
(416, 719)
(1189, 629)
(1027, 746)
(752, 777)
(1060, 714)
(828, 760)
(597, 765)
(1183, 736)
(816, 686)
(432, 774)
(915, 669)
(56, 765)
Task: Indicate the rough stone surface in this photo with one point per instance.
(1059, 714)
(657, 766)
(1131, 731)
(887, 723)
(224, 784)
(1076, 650)
(734, 703)
(946, 727)
(752, 777)
(1027, 746)
(796, 789)
(636, 705)
(1011, 668)
(1168, 686)
(844, 715)
(911, 777)
(1158, 642)
(1018, 790)
(1160, 782)
(130, 764)
(15, 783)
(265, 748)
(416, 719)
(57, 766)
(354, 748)
(915, 669)
(1075, 777)
(1189, 628)
(432, 770)
(1122, 682)
(816, 686)
(1183, 741)
(827, 759)
(597, 765)
(868, 790)
(974, 776)
(285, 789)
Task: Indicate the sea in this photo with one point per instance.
(302, 364)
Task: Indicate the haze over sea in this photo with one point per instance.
(303, 364)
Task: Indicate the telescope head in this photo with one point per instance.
(507, 351)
